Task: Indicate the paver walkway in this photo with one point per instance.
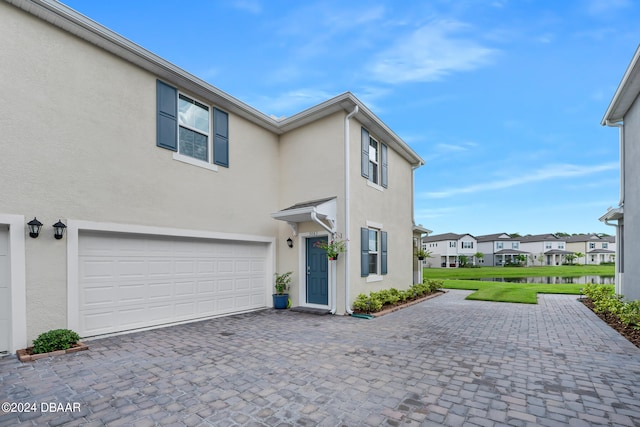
(445, 361)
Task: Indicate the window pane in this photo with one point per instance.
(373, 263)
(373, 241)
(193, 144)
(193, 114)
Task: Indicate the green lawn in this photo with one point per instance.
(525, 293)
(559, 271)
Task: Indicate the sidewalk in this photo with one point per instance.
(446, 361)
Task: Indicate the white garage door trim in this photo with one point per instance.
(77, 227)
(17, 231)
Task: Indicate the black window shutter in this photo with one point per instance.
(383, 252)
(364, 252)
(220, 138)
(365, 153)
(167, 117)
(385, 165)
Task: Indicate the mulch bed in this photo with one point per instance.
(626, 331)
(387, 308)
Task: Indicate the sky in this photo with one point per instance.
(503, 99)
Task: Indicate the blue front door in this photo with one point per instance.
(317, 273)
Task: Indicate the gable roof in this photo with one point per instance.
(85, 28)
(493, 237)
(445, 236)
(627, 92)
(581, 238)
(539, 238)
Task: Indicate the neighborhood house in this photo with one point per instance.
(172, 200)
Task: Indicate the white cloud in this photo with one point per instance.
(430, 53)
(250, 6)
(544, 174)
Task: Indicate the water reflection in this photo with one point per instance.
(554, 280)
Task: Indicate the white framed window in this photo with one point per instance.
(547, 245)
(373, 246)
(592, 245)
(515, 245)
(452, 244)
(467, 245)
(499, 245)
(605, 245)
(375, 161)
(194, 127)
(197, 133)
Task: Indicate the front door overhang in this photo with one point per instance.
(322, 212)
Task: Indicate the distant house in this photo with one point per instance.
(446, 249)
(499, 249)
(623, 112)
(180, 201)
(594, 249)
(545, 249)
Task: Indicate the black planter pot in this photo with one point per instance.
(280, 301)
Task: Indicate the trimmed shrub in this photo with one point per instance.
(55, 339)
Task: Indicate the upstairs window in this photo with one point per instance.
(592, 245)
(191, 128)
(193, 134)
(515, 245)
(499, 245)
(467, 245)
(374, 161)
(605, 245)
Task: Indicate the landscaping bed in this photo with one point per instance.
(627, 331)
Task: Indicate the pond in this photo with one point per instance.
(554, 280)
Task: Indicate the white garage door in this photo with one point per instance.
(136, 281)
(5, 290)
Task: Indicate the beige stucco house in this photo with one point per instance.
(180, 202)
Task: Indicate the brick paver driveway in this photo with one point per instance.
(445, 361)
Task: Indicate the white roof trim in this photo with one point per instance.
(85, 28)
(627, 92)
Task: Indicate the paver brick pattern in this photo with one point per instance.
(446, 361)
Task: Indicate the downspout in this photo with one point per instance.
(620, 126)
(619, 242)
(347, 210)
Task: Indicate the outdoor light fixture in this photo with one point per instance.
(59, 229)
(34, 227)
(290, 242)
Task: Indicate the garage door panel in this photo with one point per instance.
(93, 269)
(134, 281)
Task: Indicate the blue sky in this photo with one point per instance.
(502, 99)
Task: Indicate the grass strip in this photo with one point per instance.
(510, 272)
(523, 293)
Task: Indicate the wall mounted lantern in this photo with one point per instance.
(34, 227)
(290, 242)
(59, 229)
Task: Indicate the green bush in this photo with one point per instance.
(375, 301)
(56, 339)
(605, 300)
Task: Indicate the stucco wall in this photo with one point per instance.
(79, 142)
(631, 282)
(391, 207)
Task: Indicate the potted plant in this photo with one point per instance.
(281, 297)
(422, 254)
(332, 247)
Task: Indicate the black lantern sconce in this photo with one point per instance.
(59, 229)
(290, 242)
(34, 227)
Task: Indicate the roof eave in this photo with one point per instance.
(626, 93)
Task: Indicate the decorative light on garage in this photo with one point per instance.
(59, 229)
(290, 242)
(34, 227)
